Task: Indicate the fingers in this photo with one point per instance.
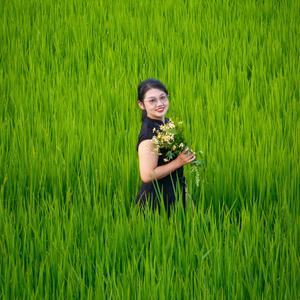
(188, 157)
(186, 151)
(192, 157)
(189, 153)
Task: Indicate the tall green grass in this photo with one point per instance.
(68, 165)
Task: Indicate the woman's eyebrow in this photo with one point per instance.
(152, 97)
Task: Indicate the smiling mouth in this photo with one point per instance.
(160, 109)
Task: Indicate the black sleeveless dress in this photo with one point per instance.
(164, 188)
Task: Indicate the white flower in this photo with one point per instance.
(171, 125)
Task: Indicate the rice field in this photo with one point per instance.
(69, 122)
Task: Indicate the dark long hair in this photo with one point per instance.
(144, 86)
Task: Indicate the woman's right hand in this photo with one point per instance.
(185, 157)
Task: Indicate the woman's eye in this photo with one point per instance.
(152, 101)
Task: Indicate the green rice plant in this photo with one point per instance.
(69, 122)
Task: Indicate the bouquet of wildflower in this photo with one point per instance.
(169, 137)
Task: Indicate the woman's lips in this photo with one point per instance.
(160, 109)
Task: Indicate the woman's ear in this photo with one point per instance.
(141, 105)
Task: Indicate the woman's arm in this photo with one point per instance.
(148, 160)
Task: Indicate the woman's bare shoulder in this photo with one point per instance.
(146, 145)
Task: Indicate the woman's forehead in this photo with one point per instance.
(154, 93)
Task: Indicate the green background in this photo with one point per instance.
(69, 123)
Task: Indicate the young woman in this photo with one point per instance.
(159, 178)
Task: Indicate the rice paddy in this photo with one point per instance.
(69, 121)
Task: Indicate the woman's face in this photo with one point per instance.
(156, 103)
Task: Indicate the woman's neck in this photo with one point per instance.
(157, 119)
